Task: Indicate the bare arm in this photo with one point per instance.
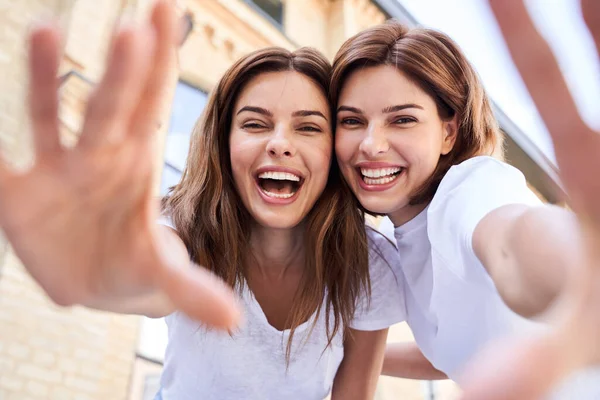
(405, 360)
(357, 377)
(531, 367)
(526, 250)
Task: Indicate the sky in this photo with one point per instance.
(471, 24)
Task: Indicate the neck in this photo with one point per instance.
(277, 251)
(406, 213)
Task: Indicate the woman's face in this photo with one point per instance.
(389, 139)
(281, 147)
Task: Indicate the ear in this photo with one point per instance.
(450, 129)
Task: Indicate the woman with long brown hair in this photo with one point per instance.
(480, 254)
(260, 206)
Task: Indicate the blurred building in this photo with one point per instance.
(51, 353)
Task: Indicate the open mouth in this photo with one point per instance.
(279, 185)
(379, 176)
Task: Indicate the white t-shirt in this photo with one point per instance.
(250, 363)
(453, 307)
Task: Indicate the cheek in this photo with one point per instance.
(345, 147)
(319, 156)
(241, 156)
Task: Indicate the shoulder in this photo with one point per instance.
(481, 183)
(469, 192)
(165, 220)
(384, 260)
(382, 249)
(481, 171)
(379, 240)
(385, 305)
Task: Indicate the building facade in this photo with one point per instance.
(47, 352)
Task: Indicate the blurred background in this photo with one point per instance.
(47, 352)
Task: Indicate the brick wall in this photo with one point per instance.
(48, 352)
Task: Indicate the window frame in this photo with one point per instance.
(278, 24)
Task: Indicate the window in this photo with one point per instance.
(272, 9)
(187, 107)
(144, 383)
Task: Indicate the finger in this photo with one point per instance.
(541, 74)
(164, 22)
(515, 370)
(44, 44)
(591, 15)
(201, 295)
(6, 175)
(191, 289)
(110, 108)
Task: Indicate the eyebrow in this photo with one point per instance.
(351, 109)
(264, 111)
(400, 107)
(258, 110)
(308, 113)
(386, 110)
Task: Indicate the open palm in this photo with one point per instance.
(528, 369)
(82, 220)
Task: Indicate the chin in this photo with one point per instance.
(381, 205)
(277, 221)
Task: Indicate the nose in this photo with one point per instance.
(375, 142)
(280, 144)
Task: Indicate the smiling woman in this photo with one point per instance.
(281, 143)
(262, 206)
(480, 253)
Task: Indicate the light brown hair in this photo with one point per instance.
(215, 226)
(437, 65)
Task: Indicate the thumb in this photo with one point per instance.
(191, 288)
(201, 295)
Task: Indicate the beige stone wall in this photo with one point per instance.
(15, 18)
(224, 31)
(306, 22)
(51, 353)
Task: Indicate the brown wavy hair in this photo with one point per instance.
(436, 64)
(215, 226)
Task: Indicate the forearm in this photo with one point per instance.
(533, 249)
(405, 360)
(154, 305)
(358, 374)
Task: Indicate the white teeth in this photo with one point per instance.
(376, 173)
(278, 195)
(279, 176)
(379, 181)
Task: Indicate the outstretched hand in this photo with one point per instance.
(530, 368)
(83, 220)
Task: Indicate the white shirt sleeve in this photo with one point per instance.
(386, 306)
(166, 221)
(468, 192)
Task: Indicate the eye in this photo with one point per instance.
(405, 120)
(350, 121)
(253, 126)
(310, 129)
